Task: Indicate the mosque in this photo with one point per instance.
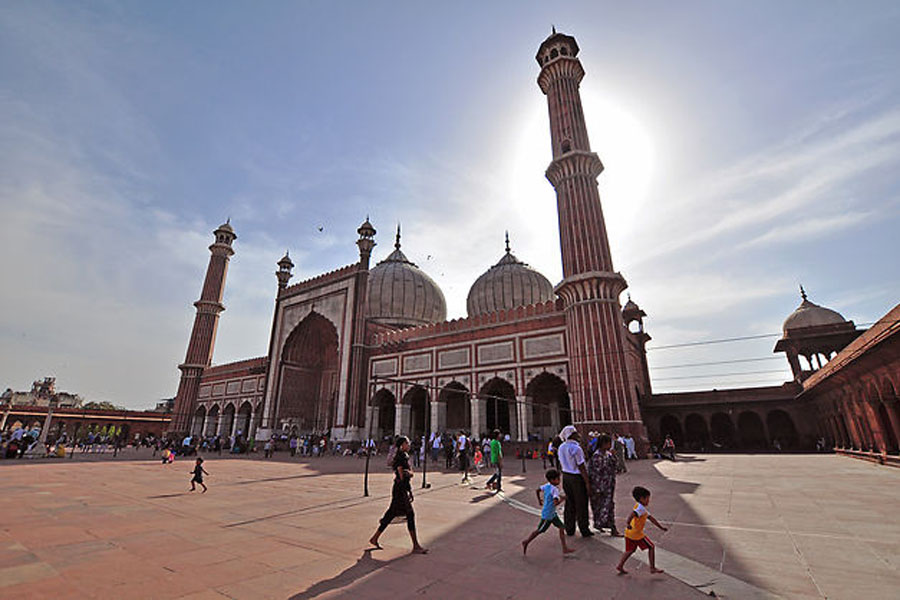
(367, 351)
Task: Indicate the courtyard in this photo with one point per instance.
(741, 526)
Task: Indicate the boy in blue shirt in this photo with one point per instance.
(549, 497)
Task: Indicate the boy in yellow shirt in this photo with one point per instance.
(634, 530)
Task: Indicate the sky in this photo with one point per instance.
(749, 148)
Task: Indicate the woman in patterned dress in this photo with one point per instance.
(602, 473)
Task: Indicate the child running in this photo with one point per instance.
(548, 495)
(634, 530)
(198, 472)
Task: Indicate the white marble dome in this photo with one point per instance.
(508, 284)
(809, 314)
(401, 294)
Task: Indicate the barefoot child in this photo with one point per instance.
(634, 530)
(548, 495)
(198, 472)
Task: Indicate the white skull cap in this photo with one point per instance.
(566, 432)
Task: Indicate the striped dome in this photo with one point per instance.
(508, 284)
(402, 295)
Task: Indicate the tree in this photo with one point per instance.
(104, 405)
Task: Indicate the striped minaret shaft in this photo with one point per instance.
(599, 384)
(203, 335)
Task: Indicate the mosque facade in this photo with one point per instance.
(366, 351)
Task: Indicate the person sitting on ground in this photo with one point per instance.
(549, 498)
(634, 530)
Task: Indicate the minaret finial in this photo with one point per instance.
(802, 292)
(228, 220)
(553, 29)
(507, 242)
(397, 241)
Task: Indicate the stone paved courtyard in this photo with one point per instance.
(742, 526)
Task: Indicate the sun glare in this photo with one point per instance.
(627, 150)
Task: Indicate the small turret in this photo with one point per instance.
(285, 265)
(365, 242)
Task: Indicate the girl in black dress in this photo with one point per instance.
(401, 497)
(198, 472)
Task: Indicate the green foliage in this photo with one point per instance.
(104, 405)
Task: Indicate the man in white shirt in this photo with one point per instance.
(629, 447)
(462, 446)
(576, 484)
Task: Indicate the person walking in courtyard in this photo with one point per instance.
(634, 530)
(198, 472)
(462, 446)
(602, 473)
(576, 485)
(549, 498)
(630, 448)
(496, 480)
(668, 449)
(401, 497)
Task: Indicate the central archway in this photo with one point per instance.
(416, 399)
(384, 414)
(455, 397)
(500, 401)
(309, 369)
(550, 409)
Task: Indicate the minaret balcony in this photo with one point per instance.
(576, 163)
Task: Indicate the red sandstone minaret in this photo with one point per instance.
(598, 378)
(203, 335)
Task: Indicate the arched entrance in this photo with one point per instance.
(198, 420)
(416, 402)
(454, 399)
(228, 420)
(550, 410)
(309, 368)
(383, 414)
(722, 431)
(500, 397)
(669, 425)
(781, 428)
(212, 421)
(243, 420)
(751, 432)
(696, 434)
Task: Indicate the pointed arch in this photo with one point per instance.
(550, 407)
(455, 399)
(309, 375)
(500, 399)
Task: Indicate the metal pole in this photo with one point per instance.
(368, 437)
(424, 450)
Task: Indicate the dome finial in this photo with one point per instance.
(802, 292)
(553, 29)
(397, 241)
(507, 242)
